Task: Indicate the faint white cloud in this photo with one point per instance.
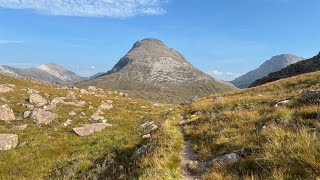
(215, 72)
(226, 76)
(92, 8)
(6, 41)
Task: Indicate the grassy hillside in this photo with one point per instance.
(56, 152)
(279, 142)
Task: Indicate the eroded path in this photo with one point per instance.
(192, 167)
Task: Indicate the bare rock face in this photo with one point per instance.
(5, 89)
(90, 129)
(41, 116)
(160, 72)
(8, 141)
(37, 100)
(6, 114)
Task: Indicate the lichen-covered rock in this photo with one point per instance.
(8, 141)
(6, 114)
(106, 106)
(37, 100)
(41, 116)
(26, 114)
(5, 89)
(20, 127)
(71, 95)
(90, 129)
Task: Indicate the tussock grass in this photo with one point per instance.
(283, 142)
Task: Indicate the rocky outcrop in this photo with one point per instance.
(8, 141)
(6, 114)
(302, 67)
(41, 116)
(90, 129)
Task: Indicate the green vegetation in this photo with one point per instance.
(56, 152)
(282, 142)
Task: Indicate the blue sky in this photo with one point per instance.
(225, 38)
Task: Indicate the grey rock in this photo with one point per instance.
(5, 89)
(26, 114)
(41, 116)
(106, 106)
(72, 113)
(20, 127)
(90, 129)
(283, 103)
(37, 100)
(8, 141)
(67, 123)
(6, 114)
(71, 95)
(149, 127)
(96, 117)
(141, 151)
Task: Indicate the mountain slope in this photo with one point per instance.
(276, 63)
(306, 66)
(51, 73)
(154, 71)
(255, 136)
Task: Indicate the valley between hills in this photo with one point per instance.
(155, 116)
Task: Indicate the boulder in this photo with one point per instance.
(37, 100)
(20, 127)
(56, 101)
(106, 106)
(5, 89)
(71, 95)
(92, 88)
(29, 106)
(96, 117)
(282, 103)
(149, 127)
(6, 114)
(146, 136)
(90, 129)
(26, 114)
(67, 123)
(32, 91)
(230, 158)
(312, 94)
(141, 151)
(41, 116)
(8, 141)
(72, 113)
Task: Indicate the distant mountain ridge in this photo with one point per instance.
(51, 73)
(276, 63)
(302, 67)
(154, 71)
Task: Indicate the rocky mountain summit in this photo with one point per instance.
(52, 73)
(154, 71)
(276, 63)
(302, 67)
